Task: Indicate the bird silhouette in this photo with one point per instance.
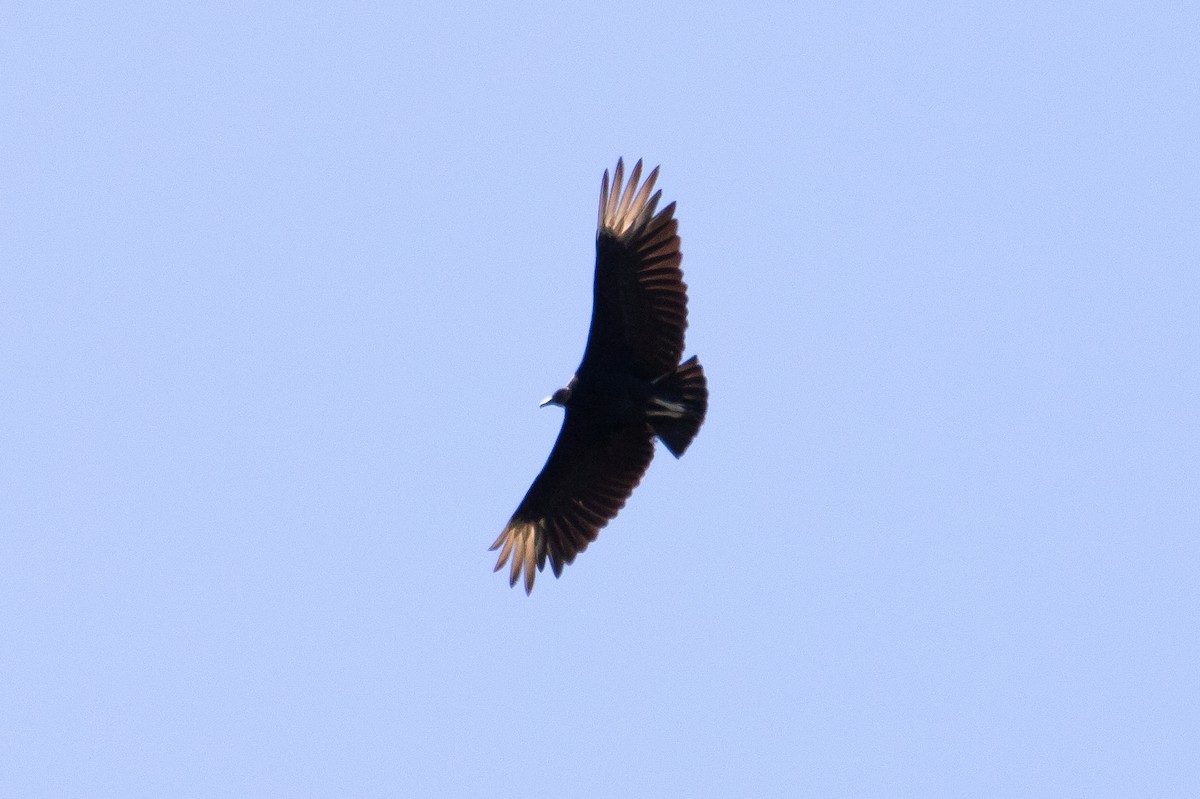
(629, 388)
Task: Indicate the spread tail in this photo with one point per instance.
(678, 406)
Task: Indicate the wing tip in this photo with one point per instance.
(522, 547)
(627, 206)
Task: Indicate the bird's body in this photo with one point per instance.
(609, 398)
(629, 387)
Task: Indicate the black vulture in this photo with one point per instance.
(629, 387)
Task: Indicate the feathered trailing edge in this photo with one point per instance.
(584, 484)
(639, 310)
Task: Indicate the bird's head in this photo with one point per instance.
(560, 397)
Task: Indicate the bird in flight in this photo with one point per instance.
(629, 388)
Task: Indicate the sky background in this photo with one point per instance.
(282, 286)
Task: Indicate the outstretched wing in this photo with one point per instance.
(639, 299)
(586, 480)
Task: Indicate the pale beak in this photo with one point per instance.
(547, 401)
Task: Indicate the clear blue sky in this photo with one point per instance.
(282, 287)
